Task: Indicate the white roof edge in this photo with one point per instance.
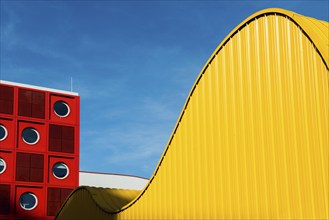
(113, 174)
(39, 88)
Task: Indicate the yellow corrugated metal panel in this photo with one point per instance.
(97, 202)
(252, 139)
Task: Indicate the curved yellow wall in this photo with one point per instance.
(252, 139)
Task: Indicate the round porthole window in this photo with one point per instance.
(3, 132)
(61, 109)
(28, 201)
(30, 136)
(2, 165)
(60, 170)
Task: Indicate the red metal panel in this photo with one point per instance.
(6, 99)
(8, 174)
(38, 211)
(40, 146)
(71, 102)
(71, 179)
(9, 141)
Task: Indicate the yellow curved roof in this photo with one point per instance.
(252, 139)
(107, 199)
(316, 30)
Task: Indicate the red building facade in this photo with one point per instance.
(39, 150)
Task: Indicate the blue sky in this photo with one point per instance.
(132, 62)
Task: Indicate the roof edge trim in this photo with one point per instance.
(39, 88)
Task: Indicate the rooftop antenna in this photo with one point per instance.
(71, 84)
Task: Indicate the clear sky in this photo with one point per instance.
(132, 62)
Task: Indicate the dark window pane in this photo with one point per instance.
(68, 133)
(24, 109)
(60, 170)
(23, 160)
(53, 208)
(29, 167)
(23, 174)
(31, 103)
(68, 139)
(6, 99)
(30, 136)
(4, 192)
(61, 109)
(54, 194)
(55, 145)
(56, 197)
(37, 111)
(36, 175)
(2, 165)
(67, 146)
(55, 138)
(38, 105)
(37, 161)
(55, 131)
(4, 199)
(3, 132)
(61, 138)
(64, 194)
(24, 102)
(28, 201)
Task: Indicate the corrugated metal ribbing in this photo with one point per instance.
(252, 140)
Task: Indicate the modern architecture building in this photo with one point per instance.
(252, 140)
